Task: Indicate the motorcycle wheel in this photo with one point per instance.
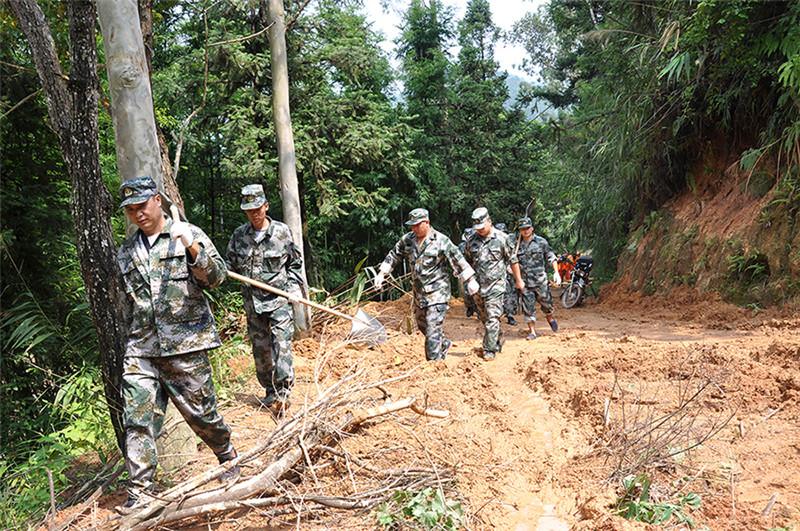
(571, 296)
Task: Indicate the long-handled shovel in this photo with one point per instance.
(364, 329)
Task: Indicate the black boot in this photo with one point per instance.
(511, 320)
(233, 473)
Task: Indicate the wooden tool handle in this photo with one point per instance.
(276, 291)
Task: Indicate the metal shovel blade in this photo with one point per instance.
(366, 329)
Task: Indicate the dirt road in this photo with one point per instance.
(540, 438)
(528, 430)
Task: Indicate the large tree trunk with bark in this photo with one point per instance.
(72, 108)
(146, 25)
(287, 169)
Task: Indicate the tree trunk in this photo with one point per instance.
(146, 24)
(73, 114)
(138, 151)
(287, 170)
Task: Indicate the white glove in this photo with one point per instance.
(182, 230)
(472, 286)
(556, 278)
(379, 280)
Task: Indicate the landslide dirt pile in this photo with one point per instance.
(735, 232)
(694, 410)
(542, 437)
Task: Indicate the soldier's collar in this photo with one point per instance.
(270, 224)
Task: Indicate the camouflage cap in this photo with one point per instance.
(418, 215)
(137, 190)
(525, 223)
(479, 217)
(252, 196)
(501, 226)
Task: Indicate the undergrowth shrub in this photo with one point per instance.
(428, 508)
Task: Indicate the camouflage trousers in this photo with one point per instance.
(489, 311)
(146, 385)
(540, 292)
(510, 299)
(271, 335)
(430, 320)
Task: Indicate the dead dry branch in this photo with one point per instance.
(304, 467)
(644, 433)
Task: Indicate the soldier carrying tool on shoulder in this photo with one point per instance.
(165, 265)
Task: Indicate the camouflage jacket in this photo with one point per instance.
(490, 257)
(169, 312)
(275, 260)
(462, 245)
(534, 255)
(427, 264)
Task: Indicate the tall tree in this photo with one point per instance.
(494, 150)
(287, 161)
(139, 147)
(72, 107)
(422, 47)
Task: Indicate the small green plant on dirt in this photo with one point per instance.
(748, 267)
(428, 508)
(652, 220)
(636, 504)
(754, 307)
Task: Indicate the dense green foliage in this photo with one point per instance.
(473, 150)
(645, 85)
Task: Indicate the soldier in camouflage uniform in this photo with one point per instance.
(165, 266)
(510, 298)
(489, 253)
(469, 301)
(262, 249)
(533, 253)
(426, 251)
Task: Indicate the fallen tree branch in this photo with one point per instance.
(311, 431)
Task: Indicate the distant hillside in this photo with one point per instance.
(515, 84)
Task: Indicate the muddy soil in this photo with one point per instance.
(540, 438)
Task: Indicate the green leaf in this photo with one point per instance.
(692, 500)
